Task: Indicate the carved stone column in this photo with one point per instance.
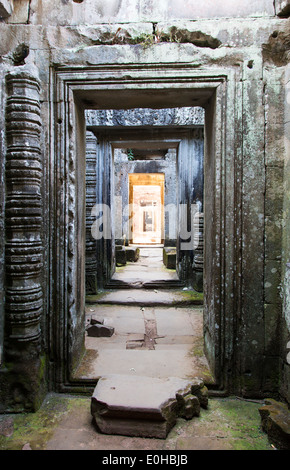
(91, 199)
(23, 236)
(198, 254)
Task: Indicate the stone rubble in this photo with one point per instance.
(95, 327)
(145, 406)
(275, 418)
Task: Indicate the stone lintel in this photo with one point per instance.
(187, 116)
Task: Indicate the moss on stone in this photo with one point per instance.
(193, 296)
(92, 299)
(242, 420)
(197, 350)
(229, 422)
(33, 428)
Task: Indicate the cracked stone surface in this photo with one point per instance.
(144, 406)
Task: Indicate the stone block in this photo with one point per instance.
(202, 395)
(274, 119)
(132, 254)
(169, 257)
(198, 281)
(190, 408)
(96, 320)
(97, 330)
(20, 12)
(274, 191)
(285, 379)
(120, 254)
(143, 406)
(273, 237)
(275, 418)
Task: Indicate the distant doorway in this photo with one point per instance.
(146, 197)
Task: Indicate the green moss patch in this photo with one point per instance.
(37, 428)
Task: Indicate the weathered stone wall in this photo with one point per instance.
(285, 294)
(77, 12)
(252, 48)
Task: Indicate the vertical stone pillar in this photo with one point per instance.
(91, 199)
(198, 254)
(23, 238)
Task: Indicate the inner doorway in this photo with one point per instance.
(146, 197)
(180, 158)
(145, 184)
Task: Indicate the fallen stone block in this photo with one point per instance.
(99, 330)
(143, 406)
(202, 395)
(169, 257)
(190, 407)
(132, 254)
(275, 418)
(96, 320)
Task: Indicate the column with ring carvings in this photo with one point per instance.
(23, 237)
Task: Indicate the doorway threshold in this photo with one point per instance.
(140, 284)
(144, 297)
(148, 271)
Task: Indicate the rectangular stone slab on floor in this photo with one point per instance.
(141, 406)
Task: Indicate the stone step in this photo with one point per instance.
(135, 283)
(145, 406)
(144, 297)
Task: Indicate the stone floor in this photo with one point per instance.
(156, 334)
(174, 349)
(149, 267)
(65, 423)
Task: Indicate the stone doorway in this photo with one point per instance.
(143, 156)
(145, 187)
(69, 314)
(146, 196)
(167, 331)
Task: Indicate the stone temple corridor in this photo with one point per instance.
(157, 332)
(144, 225)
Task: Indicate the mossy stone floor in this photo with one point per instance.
(65, 423)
